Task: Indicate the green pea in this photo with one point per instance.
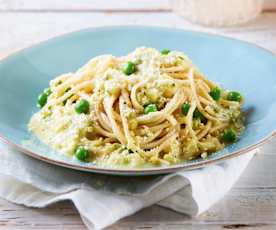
(82, 153)
(185, 108)
(43, 97)
(129, 68)
(82, 106)
(42, 100)
(150, 108)
(215, 93)
(234, 96)
(165, 51)
(229, 135)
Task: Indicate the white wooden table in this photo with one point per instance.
(250, 204)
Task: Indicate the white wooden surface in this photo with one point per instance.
(251, 204)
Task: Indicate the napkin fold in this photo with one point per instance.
(102, 200)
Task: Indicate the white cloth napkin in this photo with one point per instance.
(102, 200)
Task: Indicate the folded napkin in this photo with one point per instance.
(102, 200)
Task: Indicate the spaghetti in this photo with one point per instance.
(148, 108)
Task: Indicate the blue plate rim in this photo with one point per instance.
(137, 171)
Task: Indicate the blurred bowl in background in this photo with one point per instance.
(218, 12)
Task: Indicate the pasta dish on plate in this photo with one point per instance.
(148, 108)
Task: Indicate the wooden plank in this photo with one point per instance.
(84, 5)
(248, 207)
(58, 216)
(92, 5)
(25, 30)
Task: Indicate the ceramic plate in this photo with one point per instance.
(232, 63)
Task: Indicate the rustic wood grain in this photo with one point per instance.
(83, 5)
(94, 5)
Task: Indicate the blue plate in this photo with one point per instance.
(234, 64)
